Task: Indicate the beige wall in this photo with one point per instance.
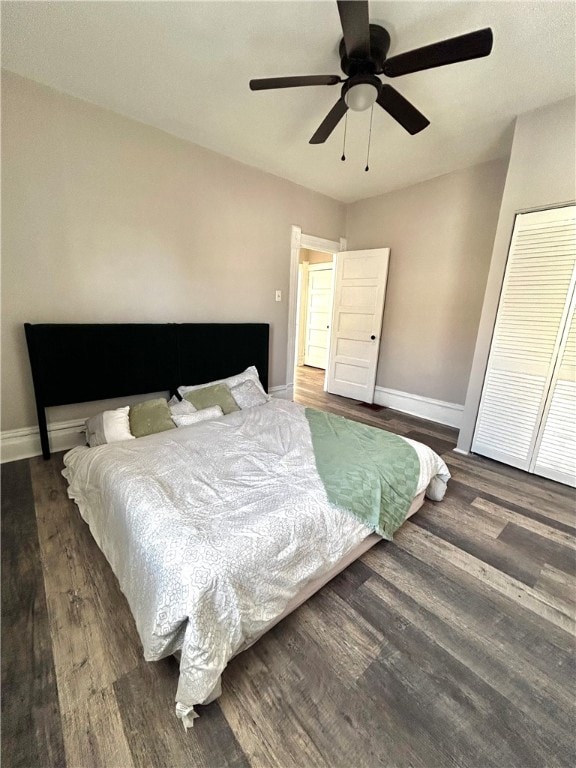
(440, 233)
(314, 257)
(541, 174)
(106, 219)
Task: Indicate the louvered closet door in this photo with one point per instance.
(529, 328)
(555, 454)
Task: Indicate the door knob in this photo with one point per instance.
(372, 337)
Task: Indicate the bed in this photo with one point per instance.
(217, 531)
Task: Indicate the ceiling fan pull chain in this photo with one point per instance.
(344, 144)
(369, 137)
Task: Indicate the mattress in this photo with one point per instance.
(315, 584)
(215, 530)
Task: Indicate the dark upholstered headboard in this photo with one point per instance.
(81, 363)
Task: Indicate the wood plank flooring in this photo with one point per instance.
(451, 647)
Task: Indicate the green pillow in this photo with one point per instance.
(150, 417)
(216, 394)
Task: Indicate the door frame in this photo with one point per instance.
(300, 240)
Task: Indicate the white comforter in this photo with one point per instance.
(212, 529)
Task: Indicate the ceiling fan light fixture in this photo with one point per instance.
(361, 96)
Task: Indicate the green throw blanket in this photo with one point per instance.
(370, 472)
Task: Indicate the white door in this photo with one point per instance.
(555, 452)
(359, 290)
(530, 325)
(318, 312)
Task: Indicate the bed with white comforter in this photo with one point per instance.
(213, 529)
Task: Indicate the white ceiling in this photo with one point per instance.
(184, 67)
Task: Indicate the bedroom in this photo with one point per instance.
(113, 213)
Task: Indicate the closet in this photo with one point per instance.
(527, 415)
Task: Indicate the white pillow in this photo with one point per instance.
(180, 407)
(250, 374)
(109, 427)
(187, 419)
(248, 394)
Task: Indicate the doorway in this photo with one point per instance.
(353, 331)
(315, 297)
(310, 308)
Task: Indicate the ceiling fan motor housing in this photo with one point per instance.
(361, 80)
(374, 63)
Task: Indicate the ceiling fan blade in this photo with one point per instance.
(356, 27)
(330, 122)
(293, 82)
(474, 45)
(401, 110)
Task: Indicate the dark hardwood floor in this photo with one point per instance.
(451, 647)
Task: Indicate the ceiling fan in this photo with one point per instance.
(363, 52)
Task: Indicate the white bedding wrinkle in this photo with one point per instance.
(211, 530)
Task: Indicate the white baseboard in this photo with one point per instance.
(284, 391)
(24, 443)
(417, 405)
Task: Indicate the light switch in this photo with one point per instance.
(278, 295)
